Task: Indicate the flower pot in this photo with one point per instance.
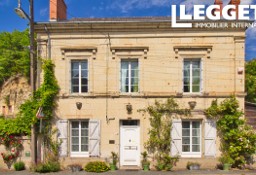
(112, 167)
(194, 167)
(75, 169)
(146, 167)
(226, 166)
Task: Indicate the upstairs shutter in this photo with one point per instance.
(176, 135)
(210, 138)
(62, 126)
(94, 138)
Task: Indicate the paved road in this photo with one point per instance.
(119, 172)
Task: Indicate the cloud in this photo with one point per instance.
(126, 6)
(43, 11)
(4, 2)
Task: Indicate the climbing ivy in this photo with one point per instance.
(238, 139)
(43, 97)
(158, 144)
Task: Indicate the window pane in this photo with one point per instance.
(196, 80)
(84, 89)
(134, 64)
(185, 124)
(75, 124)
(84, 81)
(75, 89)
(84, 125)
(75, 73)
(84, 73)
(186, 88)
(75, 65)
(195, 124)
(75, 81)
(185, 132)
(195, 140)
(134, 89)
(124, 64)
(84, 140)
(75, 148)
(185, 140)
(196, 72)
(185, 148)
(84, 148)
(195, 148)
(196, 88)
(195, 132)
(135, 73)
(196, 64)
(75, 132)
(75, 140)
(84, 65)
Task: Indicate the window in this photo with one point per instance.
(191, 137)
(129, 76)
(79, 138)
(79, 76)
(192, 76)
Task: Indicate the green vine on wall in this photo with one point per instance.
(158, 144)
(238, 139)
(43, 97)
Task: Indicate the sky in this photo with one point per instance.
(9, 21)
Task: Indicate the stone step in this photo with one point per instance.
(130, 168)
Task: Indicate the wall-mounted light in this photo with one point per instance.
(192, 104)
(79, 105)
(129, 108)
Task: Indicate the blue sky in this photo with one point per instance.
(9, 21)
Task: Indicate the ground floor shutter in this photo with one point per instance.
(94, 138)
(210, 133)
(176, 136)
(62, 126)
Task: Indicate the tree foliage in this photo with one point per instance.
(250, 80)
(238, 139)
(14, 54)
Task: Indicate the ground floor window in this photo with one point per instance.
(79, 137)
(191, 137)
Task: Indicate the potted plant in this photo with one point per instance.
(145, 163)
(75, 167)
(226, 161)
(193, 166)
(114, 158)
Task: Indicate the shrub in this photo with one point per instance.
(166, 162)
(19, 166)
(47, 167)
(97, 167)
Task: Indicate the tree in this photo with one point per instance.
(250, 80)
(14, 55)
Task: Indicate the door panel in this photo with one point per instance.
(130, 145)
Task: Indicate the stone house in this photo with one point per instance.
(109, 68)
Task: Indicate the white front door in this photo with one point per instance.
(129, 144)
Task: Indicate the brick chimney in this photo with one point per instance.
(58, 10)
(236, 3)
(220, 3)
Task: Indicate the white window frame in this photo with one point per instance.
(80, 76)
(191, 76)
(129, 74)
(79, 153)
(192, 154)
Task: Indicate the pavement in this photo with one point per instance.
(123, 172)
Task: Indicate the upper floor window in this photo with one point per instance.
(79, 76)
(129, 76)
(192, 76)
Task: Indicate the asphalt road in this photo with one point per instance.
(120, 172)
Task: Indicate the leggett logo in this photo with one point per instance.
(212, 13)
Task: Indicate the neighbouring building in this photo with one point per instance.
(109, 68)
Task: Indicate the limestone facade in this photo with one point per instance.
(100, 47)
